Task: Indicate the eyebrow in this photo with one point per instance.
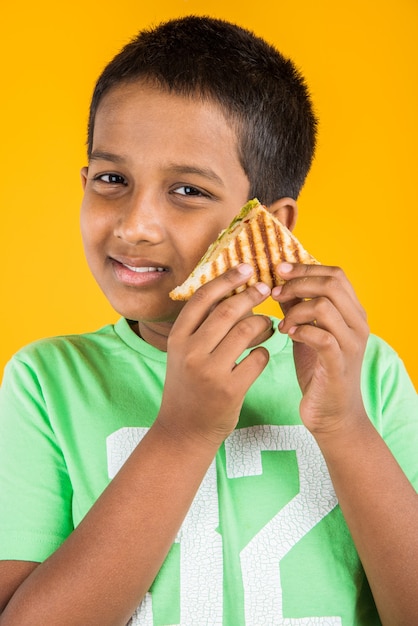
(101, 155)
(206, 172)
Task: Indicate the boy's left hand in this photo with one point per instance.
(328, 326)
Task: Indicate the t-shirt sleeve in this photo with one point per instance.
(392, 403)
(35, 490)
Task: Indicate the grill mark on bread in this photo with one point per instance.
(295, 253)
(253, 250)
(238, 250)
(226, 255)
(279, 241)
(265, 239)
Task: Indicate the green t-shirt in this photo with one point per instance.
(264, 542)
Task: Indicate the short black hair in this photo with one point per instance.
(260, 91)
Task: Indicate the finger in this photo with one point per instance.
(289, 271)
(323, 343)
(295, 270)
(309, 282)
(321, 313)
(249, 369)
(235, 314)
(213, 310)
(207, 296)
(247, 332)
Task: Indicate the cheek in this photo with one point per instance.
(93, 225)
(191, 246)
(92, 239)
(201, 241)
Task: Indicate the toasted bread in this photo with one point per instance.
(254, 236)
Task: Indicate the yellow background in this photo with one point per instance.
(358, 208)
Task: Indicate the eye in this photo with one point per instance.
(111, 179)
(187, 190)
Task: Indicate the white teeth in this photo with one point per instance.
(141, 270)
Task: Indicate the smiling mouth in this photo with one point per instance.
(144, 270)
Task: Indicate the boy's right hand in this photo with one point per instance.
(205, 387)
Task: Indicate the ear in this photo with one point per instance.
(286, 211)
(84, 173)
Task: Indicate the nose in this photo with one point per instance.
(140, 220)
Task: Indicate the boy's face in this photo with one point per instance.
(163, 180)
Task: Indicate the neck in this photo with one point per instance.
(154, 334)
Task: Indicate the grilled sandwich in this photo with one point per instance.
(254, 236)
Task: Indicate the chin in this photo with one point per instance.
(148, 314)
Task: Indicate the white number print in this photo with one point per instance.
(201, 566)
(316, 498)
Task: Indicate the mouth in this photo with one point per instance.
(138, 273)
(144, 270)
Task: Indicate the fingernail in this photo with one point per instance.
(285, 268)
(245, 269)
(262, 288)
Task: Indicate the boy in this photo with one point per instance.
(253, 467)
